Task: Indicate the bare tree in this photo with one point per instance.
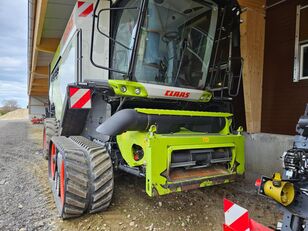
(9, 105)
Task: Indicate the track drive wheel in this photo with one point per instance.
(68, 175)
(51, 129)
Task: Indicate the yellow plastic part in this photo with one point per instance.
(277, 177)
(281, 191)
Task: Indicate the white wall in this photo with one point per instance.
(37, 106)
(263, 152)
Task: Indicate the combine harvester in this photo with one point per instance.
(144, 87)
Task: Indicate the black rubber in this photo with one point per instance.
(76, 182)
(132, 120)
(100, 174)
(88, 176)
(51, 128)
(101, 181)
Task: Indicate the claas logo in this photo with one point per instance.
(178, 94)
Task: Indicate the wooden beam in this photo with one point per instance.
(253, 4)
(48, 45)
(40, 88)
(43, 85)
(252, 46)
(41, 70)
(32, 93)
(40, 74)
(40, 81)
(39, 93)
(41, 7)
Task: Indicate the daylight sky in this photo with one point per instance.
(13, 51)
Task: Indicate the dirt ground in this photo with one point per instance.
(26, 201)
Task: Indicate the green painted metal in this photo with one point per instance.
(128, 88)
(206, 97)
(55, 59)
(182, 112)
(158, 149)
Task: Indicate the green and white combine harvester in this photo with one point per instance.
(144, 87)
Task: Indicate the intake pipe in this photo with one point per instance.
(131, 120)
(124, 120)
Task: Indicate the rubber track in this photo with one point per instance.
(51, 129)
(100, 174)
(76, 199)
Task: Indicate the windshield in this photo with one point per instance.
(176, 43)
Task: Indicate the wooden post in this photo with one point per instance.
(252, 47)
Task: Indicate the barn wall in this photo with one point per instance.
(283, 100)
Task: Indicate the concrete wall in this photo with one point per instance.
(37, 106)
(263, 152)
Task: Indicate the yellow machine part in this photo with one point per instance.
(281, 191)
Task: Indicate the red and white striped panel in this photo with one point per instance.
(236, 217)
(84, 8)
(80, 98)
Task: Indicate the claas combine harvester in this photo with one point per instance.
(144, 87)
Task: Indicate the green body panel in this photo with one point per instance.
(158, 149)
(130, 87)
(55, 58)
(182, 113)
(206, 97)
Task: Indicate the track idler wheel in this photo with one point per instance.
(68, 177)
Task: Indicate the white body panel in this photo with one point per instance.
(169, 92)
(75, 44)
(101, 44)
(80, 22)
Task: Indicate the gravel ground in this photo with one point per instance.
(18, 114)
(26, 201)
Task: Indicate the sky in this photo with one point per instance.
(13, 51)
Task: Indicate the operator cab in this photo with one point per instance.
(174, 45)
(170, 43)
